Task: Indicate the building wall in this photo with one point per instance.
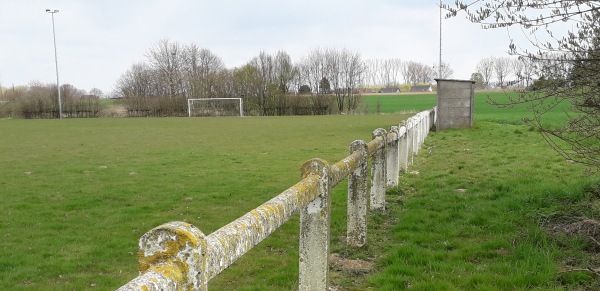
(455, 100)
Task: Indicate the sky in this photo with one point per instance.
(98, 41)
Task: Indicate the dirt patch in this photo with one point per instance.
(350, 266)
(586, 228)
(576, 267)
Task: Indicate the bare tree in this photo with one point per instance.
(527, 70)
(415, 73)
(486, 68)
(478, 78)
(96, 92)
(446, 71)
(345, 75)
(285, 71)
(201, 69)
(502, 68)
(370, 74)
(167, 58)
(136, 82)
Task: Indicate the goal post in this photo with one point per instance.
(215, 107)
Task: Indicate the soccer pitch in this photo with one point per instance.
(77, 194)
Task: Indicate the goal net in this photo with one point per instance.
(215, 107)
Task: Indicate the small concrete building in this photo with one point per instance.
(455, 104)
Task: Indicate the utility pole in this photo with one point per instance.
(440, 61)
(52, 11)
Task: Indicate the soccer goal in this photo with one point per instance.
(215, 107)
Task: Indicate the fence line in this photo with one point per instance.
(178, 256)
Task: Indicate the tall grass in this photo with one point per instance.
(470, 214)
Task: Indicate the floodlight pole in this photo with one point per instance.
(52, 11)
(440, 63)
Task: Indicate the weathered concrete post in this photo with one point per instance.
(403, 148)
(171, 257)
(391, 160)
(455, 104)
(409, 140)
(356, 216)
(423, 122)
(432, 118)
(315, 220)
(416, 135)
(378, 176)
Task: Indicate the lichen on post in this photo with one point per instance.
(403, 148)
(358, 200)
(315, 219)
(171, 257)
(391, 153)
(378, 173)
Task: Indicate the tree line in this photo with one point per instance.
(323, 82)
(39, 100)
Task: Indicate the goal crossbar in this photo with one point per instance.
(190, 101)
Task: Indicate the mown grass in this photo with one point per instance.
(78, 194)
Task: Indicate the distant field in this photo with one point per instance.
(484, 111)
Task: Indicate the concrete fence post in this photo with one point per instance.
(391, 160)
(356, 216)
(415, 136)
(403, 149)
(422, 129)
(409, 140)
(315, 219)
(171, 257)
(378, 176)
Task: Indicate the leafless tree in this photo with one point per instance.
(415, 73)
(136, 82)
(502, 69)
(446, 71)
(201, 68)
(486, 68)
(168, 59)
(96, 92)
(285, 71)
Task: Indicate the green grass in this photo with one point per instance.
(488, 237)
(77, 195)
(483, 110)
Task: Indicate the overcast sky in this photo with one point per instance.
(97, 41)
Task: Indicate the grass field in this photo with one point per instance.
(77, 195)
